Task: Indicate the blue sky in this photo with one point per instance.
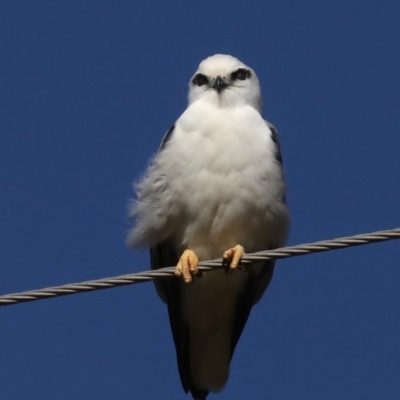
(87, 90)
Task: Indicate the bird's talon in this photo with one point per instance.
(232, 257)
(187, 266)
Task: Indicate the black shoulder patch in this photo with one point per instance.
(167, 137)
(275, 139)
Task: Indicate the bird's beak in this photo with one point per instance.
(219, 84)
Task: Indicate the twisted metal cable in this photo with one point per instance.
(129, 279)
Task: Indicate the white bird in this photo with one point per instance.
(216, 188)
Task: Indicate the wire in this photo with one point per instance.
(129, 279)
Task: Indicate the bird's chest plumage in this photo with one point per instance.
(225, 181)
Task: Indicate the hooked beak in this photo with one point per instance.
(219, 84)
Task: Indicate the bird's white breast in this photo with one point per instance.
(222, 174)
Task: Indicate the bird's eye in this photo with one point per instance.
(240, 75)
(200, 80)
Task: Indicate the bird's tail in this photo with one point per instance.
(210, 354)
(199, 394)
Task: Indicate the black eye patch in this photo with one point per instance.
(200, 80)
(241, 74)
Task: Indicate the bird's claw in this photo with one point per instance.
(187, 266)
(232, 257)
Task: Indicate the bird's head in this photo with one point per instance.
(225, 81)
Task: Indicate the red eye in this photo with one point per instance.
(200, 80)
(240, 75)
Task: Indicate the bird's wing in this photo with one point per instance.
(167, 137)
(275, 139)
(260, 274)
(164, 255)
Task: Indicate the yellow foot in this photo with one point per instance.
(187, 265)
(233, 256)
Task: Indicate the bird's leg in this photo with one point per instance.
(187, 265)
(233, 256)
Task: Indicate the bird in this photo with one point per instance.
(215, 188)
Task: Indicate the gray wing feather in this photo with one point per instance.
(167, 137)
(164, 255)
(275, 139)
(257, 282)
